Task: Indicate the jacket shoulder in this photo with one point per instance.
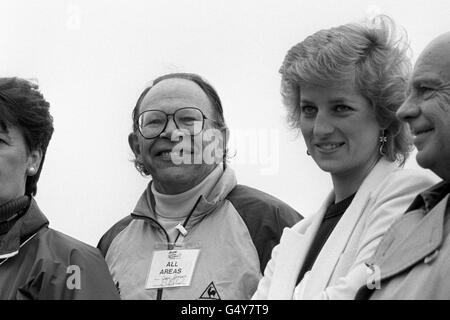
(249, 200)
(256, 206)
(265, 217)
(417, 174)
(108, 237)
(407, 181)
(63, 243)
(61, 259)
(65, 249)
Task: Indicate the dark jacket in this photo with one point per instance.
(38, 263)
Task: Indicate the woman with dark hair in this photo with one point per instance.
(37, 262)
(342, 87)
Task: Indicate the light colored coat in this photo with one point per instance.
(340, 270)
(413, 259)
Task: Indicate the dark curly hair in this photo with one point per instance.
(24, 107)
(372, 55)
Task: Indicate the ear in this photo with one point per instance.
(133, 141)
(34, 162)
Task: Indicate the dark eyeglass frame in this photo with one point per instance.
(174, 121)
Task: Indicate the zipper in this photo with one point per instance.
(159, 291)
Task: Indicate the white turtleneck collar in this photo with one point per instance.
(177, 206)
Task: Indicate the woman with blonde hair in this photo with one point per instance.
(342, 87)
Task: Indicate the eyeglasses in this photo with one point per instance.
(152, 123)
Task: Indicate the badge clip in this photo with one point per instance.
(182, 230)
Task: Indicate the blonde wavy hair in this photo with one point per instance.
(372, 54)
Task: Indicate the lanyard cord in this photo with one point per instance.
(153, 206)
(187, 219)
(19, 247)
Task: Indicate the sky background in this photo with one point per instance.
(93, 58)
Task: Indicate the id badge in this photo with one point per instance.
(172, 268)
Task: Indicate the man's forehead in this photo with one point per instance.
(435, 59)
(176, 90)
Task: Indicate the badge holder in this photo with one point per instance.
(172, 265)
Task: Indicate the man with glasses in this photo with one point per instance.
(194, 233)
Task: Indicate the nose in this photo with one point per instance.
(171, 131)
(323, 125)
(408, 110)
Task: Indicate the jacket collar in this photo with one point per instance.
(208, 202)
(329, 255)
(25, 228)
(414, 237)
(290, 255)
(295, 242)
(430, 197)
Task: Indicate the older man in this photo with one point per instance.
(195, 233)
(412, 261)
